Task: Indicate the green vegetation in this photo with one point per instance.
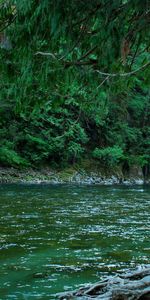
(109, 155)
(74, 82)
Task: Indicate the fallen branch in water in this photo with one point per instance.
(133, 285)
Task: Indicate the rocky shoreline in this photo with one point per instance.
(71, 175)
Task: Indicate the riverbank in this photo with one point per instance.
(83, 174)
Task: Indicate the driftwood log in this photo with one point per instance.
(132, 285)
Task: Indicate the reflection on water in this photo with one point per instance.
(56, 237)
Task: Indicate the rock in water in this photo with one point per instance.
(132, 285)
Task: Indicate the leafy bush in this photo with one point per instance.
(74, 151)
(110, 155)
(140, 160)
(11, 158)
(46, 137)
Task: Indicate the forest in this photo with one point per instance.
(74, 83)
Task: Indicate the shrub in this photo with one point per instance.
(109, 156)
(11, 158)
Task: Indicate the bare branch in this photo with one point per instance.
(46, 54)
(102, 82)
(123, 74)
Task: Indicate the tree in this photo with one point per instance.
(89, 56)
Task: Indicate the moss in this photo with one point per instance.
(66, 174)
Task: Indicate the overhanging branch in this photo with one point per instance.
(123, 74)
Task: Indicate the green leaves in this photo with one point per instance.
(59, 99)
(10, 157)
(110, 156)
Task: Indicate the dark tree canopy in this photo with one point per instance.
(79, 71)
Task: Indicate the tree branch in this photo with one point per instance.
(123, 74)
(88, 53)
(46, 54)
(135, 53)
(99, 6)
(8, 23)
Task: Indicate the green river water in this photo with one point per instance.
(55, 238)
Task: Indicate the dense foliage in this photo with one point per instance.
(74, 82)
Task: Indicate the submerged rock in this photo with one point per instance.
(40, 275)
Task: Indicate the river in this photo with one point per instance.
(57, 237)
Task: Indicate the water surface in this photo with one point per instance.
(58, 237)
